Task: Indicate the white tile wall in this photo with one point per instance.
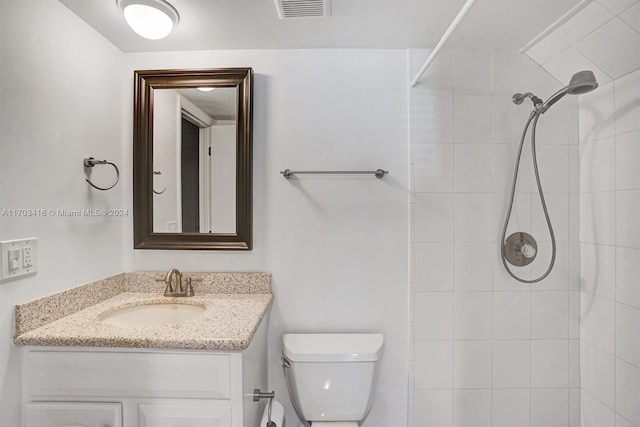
(627, 208)
(549, 407)
(491, 351)
(472, 71)
(472, 316)
(512, 364)
(473, 267)
(597, 375)
(434, 272)
(549, 317)
(627, 273)
(472, 408)
(627, 152)
(473, 217)
(433, 408)
(632, 16)
(433, 316)
(584, 22)
(598, 269)
(511, 315)
(565, 64)
(609, 271)
(604, 47)
(550, 363)
(595, 414)
(471, 364)
(627, 327)
(627, 391)
(603, 37)
(472, 120)
(474, 168)
(510, 407)
(617, 6)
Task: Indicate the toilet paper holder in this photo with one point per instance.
(259, 394)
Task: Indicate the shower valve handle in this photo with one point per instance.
(528, 251)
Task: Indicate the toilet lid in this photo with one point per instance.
(332, 347)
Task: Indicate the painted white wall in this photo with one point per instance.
(223, 178)
(166, 160)
(489, 350)
(60, 101)
(336, 246)
(610, 253)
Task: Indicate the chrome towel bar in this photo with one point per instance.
(379, 173)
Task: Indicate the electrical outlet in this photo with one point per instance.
(26, 257)
(18, 258)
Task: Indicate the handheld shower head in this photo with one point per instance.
(581, 82)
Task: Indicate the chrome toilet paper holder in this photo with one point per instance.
(257, 395)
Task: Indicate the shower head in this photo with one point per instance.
(581, 82)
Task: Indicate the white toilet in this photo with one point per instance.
(332, 377)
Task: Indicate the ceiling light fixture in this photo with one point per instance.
(205, 89)
(152, 19)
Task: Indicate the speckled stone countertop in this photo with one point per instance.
(232, 314)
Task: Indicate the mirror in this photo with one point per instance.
(192, 159)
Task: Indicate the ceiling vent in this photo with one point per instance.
(302, 8)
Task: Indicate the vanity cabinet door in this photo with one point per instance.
(184, 415)
(73, 414)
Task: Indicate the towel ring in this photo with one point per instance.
(154, 190)
(91, 162)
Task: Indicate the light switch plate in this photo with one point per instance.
(18, 258)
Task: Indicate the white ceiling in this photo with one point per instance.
(254, 24)
(219, 104)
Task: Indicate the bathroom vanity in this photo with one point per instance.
(80, 370)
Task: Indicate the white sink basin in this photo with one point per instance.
(152, 314)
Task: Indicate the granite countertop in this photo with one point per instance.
(228, 323)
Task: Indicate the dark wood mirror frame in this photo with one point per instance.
(144, 84)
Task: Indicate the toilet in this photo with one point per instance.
(332, 377)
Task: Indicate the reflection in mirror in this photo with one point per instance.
(194, 160)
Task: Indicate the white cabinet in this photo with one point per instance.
(119, 387)
(73, 414)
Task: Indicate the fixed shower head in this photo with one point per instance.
(581, 82)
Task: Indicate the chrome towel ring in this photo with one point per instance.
(91, 162)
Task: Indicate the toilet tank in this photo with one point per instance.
(332, 377)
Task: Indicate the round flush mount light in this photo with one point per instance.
(152, 19)
(205, 89)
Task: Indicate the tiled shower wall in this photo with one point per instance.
(610, 253)
(488, 350)
(605, 37)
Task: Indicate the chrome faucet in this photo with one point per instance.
(178, 290)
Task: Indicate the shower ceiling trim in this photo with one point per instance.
(557, 24)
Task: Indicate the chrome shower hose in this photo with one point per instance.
(534, 116)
